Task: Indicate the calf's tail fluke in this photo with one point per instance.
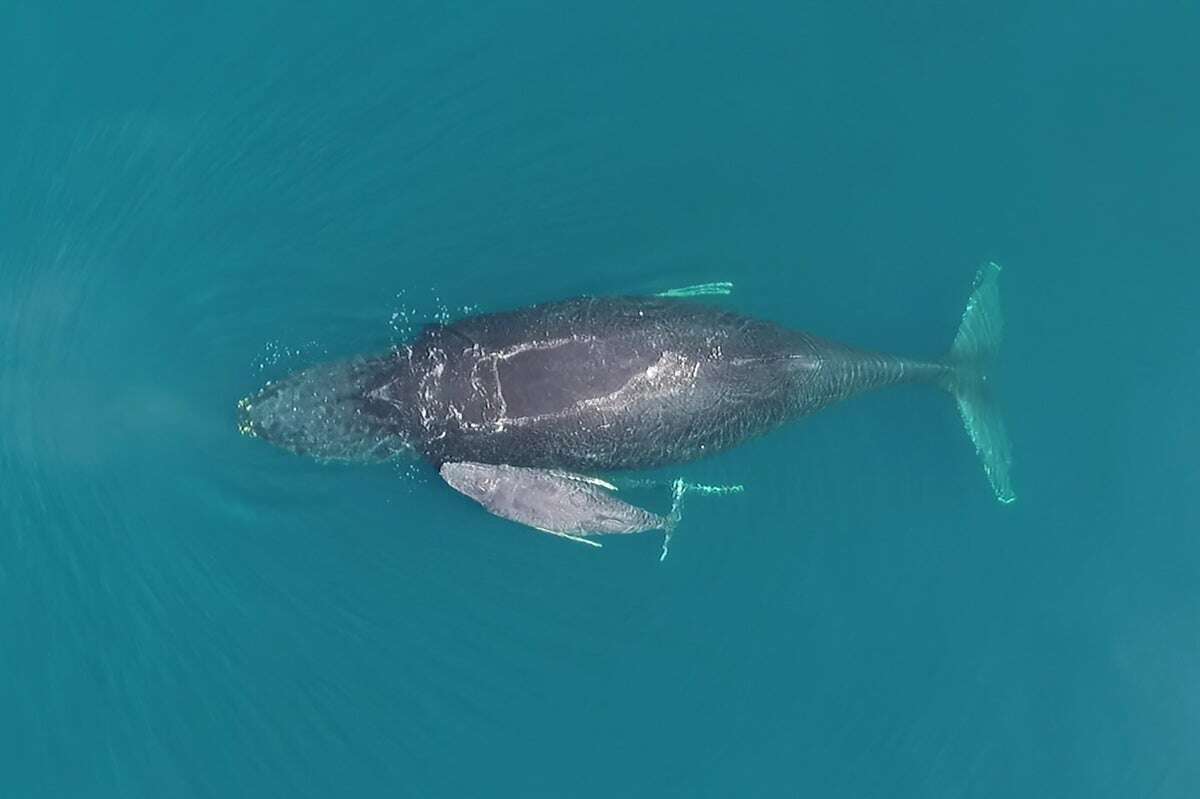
(971, 358)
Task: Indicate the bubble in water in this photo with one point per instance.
(408, 316)
(277, 354)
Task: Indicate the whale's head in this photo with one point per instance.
(479, 481)
(326, 412)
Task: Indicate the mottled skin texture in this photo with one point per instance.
(612, 383)
(600, 384)
(550, 500)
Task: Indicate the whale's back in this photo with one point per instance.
(604, 383)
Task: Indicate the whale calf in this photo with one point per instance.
(561, 503)
(599, 384)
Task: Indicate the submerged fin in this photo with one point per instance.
(583, 478)
(678, 489)
(699, 290)
(578, 538)
(971, 357)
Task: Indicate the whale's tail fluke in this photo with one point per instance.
(971, 357)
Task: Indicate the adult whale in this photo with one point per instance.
(606, 383)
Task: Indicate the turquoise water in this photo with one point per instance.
(195, 200)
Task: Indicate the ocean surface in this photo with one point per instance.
(195, 199)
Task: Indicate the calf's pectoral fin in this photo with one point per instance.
(578, 538)
(720, 288)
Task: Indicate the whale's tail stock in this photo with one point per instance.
(971, 357)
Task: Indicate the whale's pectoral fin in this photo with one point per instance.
(578, 538)
(678, 488)
(720, 288)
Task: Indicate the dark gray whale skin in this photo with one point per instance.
(515, 408)
(610, 383)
